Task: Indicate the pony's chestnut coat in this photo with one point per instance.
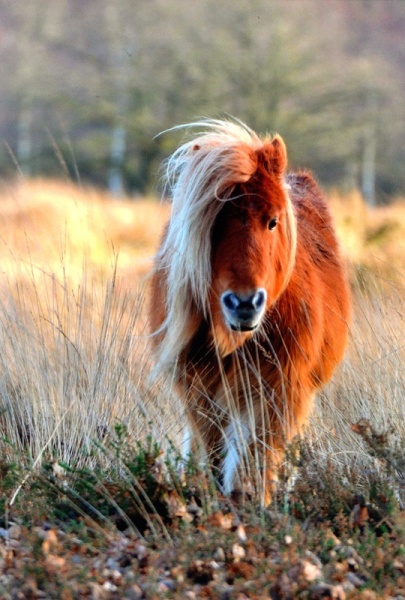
(250, 304)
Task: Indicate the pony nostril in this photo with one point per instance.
(259, 299)
(230, 301)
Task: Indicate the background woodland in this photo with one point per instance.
(88, 84)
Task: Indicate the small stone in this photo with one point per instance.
(355, 580)
(141, 551)
(219, 554)
(14, 532)
(130, 577)
(349, 552)
(241, 533)
(310, 572)
(97, 592)
(225, 591)
(352, 564)
(288, 540)
(314, 559)
(163, 587)
(177, 574)
(238, 552)
(14, 544)
(398, 564)
(109, 587)
(116, 576)
(111, 564)
(133, 593)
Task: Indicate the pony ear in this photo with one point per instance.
(280, 154)
(274, 156)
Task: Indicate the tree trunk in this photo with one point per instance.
(24, 141)
(117, 156)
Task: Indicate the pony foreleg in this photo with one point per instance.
(186, 444)
(282, 433)
(273, 459)
(236, 436)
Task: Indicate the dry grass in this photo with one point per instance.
(75, 354)
(370, 384)
(57, 226)
(373, 239)
(75, 388)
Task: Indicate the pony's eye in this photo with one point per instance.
(272, 223)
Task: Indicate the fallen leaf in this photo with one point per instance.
(50, 542)
(54, 564)
(218, 519)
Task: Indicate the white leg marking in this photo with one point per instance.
(186, 443)
(230, 465)
(236, 435)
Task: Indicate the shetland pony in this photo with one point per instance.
(250, 304)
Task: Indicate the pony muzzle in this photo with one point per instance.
(243, 312)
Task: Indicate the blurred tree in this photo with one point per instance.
(120, 49)
(88, 84)
(27, 71)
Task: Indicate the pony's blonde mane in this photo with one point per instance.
(199, 176)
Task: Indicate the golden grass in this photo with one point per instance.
(372, 239)
(370, 383)
(57, 226)
(75, 350)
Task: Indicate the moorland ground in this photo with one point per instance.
(94, 500)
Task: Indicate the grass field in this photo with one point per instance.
(77, 401)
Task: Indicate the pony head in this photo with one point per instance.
(229, 247)
(252, 249)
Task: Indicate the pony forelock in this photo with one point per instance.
(199, 176)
